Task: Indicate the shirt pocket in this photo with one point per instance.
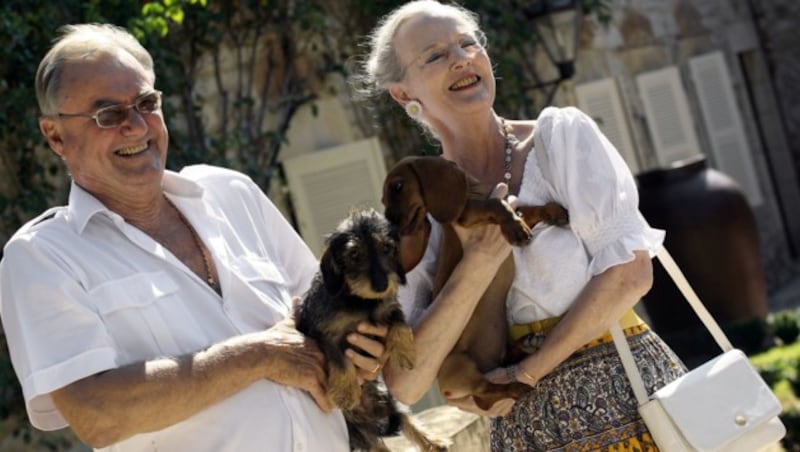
(138, 311)
(262, 298)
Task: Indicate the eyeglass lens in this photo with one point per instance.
(115, 115)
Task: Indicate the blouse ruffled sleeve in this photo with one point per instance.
(590, 178)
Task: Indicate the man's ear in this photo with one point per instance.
(48, 128)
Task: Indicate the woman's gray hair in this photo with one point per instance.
(78, 42)
(382, 65)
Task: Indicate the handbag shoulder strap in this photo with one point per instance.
(713, 327)
(629, 364)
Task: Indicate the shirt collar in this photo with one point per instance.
(83, 206)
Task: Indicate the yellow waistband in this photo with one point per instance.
(542, 327)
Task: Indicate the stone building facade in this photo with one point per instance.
(753, 40)
(777, 23)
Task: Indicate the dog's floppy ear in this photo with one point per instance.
(331, 273)
(444, 187)
(411, 247)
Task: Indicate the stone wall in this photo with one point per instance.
(466, 431)
(777, 23)
(645, 35)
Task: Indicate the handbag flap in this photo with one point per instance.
(719, 401)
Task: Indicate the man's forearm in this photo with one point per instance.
(111, 406)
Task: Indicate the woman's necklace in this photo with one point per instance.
(510, 142)
(206, 258)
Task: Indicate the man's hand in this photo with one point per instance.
(296, 361)
(372, 355)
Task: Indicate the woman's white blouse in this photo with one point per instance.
(572, 163)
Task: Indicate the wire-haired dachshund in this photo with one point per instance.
(418, 186)
(357, 281)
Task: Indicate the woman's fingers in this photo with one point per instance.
(499, 191)
(366, 368)
(372, 329)
(369, 352)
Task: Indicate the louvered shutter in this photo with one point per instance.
(600, 99)
(723, 122)
(668, 117)
(325, 185)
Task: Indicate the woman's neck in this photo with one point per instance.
(477, 146)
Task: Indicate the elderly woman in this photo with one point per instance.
(571, 284)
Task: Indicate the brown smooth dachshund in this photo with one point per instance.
(416, 186)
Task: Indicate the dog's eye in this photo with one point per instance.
(353, 254)
(397, 186)
(386, 249)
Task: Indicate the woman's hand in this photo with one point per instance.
(487, 239)
(369, 355)
(511, 374)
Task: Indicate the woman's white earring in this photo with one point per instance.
(413, 109)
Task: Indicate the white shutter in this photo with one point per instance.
(325, 185)
(601, 100)
(723, 122)
(668, 117)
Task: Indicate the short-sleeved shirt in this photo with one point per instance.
(82, 291)
(574, 164)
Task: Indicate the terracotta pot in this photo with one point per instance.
(712, 235)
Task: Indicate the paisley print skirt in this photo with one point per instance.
(586, 403)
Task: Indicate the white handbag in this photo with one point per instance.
(722, 405)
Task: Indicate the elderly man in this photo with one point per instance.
(148, 313)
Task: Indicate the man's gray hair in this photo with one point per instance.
(80, 42)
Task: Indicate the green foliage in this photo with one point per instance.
(791, 419)
(785, 325)
(779, 367)
(600, 8)
(265, 59)
(10, 401)
(29, 183)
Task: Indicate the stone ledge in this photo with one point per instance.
(468, 432)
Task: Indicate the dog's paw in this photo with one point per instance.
(555, 214)
(345, 398)
(400, 344)
(516, 231)
(405, 359)
(343, 388)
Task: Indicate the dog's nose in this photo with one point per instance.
(391, 216)
(378, 279)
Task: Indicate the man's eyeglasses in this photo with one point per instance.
(115, 115)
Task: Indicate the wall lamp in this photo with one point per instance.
(557, 24)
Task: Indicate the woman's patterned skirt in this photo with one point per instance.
(586, 403)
